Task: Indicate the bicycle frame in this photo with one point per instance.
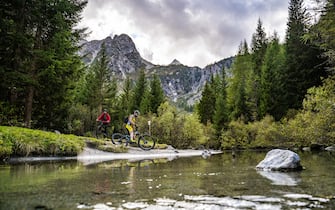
(101, 129)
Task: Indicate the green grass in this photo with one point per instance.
(16, 141)
(24, 142)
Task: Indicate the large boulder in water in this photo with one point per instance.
(280, 160)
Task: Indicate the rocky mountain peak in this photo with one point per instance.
(121, 50)
(180, 83)
(175, 62)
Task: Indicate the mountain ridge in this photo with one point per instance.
(181, 84)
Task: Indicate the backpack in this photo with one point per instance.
(125, 120)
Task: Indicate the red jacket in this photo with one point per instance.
(104, 117)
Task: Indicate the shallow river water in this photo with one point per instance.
(218, 182)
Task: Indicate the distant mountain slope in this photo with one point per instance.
(180, 83)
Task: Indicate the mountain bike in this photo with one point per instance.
(101, 130)
(145, 141)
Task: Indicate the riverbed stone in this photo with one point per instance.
(280, 160)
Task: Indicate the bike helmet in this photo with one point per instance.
(136, 113)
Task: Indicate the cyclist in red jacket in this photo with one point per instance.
(105, 118)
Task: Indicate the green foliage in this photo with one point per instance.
(260, 134)
(272, 84)
(80, 119)
(238, 87)
(17, 141)
(99, 86)
(206, 106)
(236, 135)
(316, 122)
(139, 91)
(313, 125)
(193, 132)
(323, 32)
(156, 94)
(304, 65)
(181, 130)
(38, 61)
(258, 48)
(220, 118)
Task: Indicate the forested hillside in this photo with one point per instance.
(277, 94)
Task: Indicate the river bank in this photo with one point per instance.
(92, 155)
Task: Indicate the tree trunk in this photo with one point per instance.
(28, 106)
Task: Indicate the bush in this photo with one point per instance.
(236, 135)
(181, 130)
(316, 122)
(260, 134)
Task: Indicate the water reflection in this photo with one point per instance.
(218, 182)
(281, 178)
(204, 202)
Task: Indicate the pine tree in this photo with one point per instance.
(258, 49)
(40, 39)
(238, 88)
(123, 104)
(221, 109)
(145, 105)
(323, 34)
(206, 106)
(156, 94)
(99, 83)
(303, 59)
(139, 90)
(271, 80)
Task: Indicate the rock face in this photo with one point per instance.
(280, 160)
(182, 84)
(121, 50)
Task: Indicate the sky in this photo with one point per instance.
(195, 32)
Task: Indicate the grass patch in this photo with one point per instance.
(21, 142)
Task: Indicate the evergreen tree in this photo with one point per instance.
(221, 109)
(145, 105)
(126, 96)
(99, 83)
(237, 90)
(38, 46)
(258, 49)
(303, 59)
(271, 80)
(206, 106)
(123, 105)
(139, 90)
(323, 34)
(156, 94)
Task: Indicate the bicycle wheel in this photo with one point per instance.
(119, 138)
(146, 142)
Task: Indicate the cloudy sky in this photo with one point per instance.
(195, 32)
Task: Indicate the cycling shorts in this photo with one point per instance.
(129, 128)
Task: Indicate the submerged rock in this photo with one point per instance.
(280, 160)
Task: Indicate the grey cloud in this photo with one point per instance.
(223, 24)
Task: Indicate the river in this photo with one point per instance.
(221, 181)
